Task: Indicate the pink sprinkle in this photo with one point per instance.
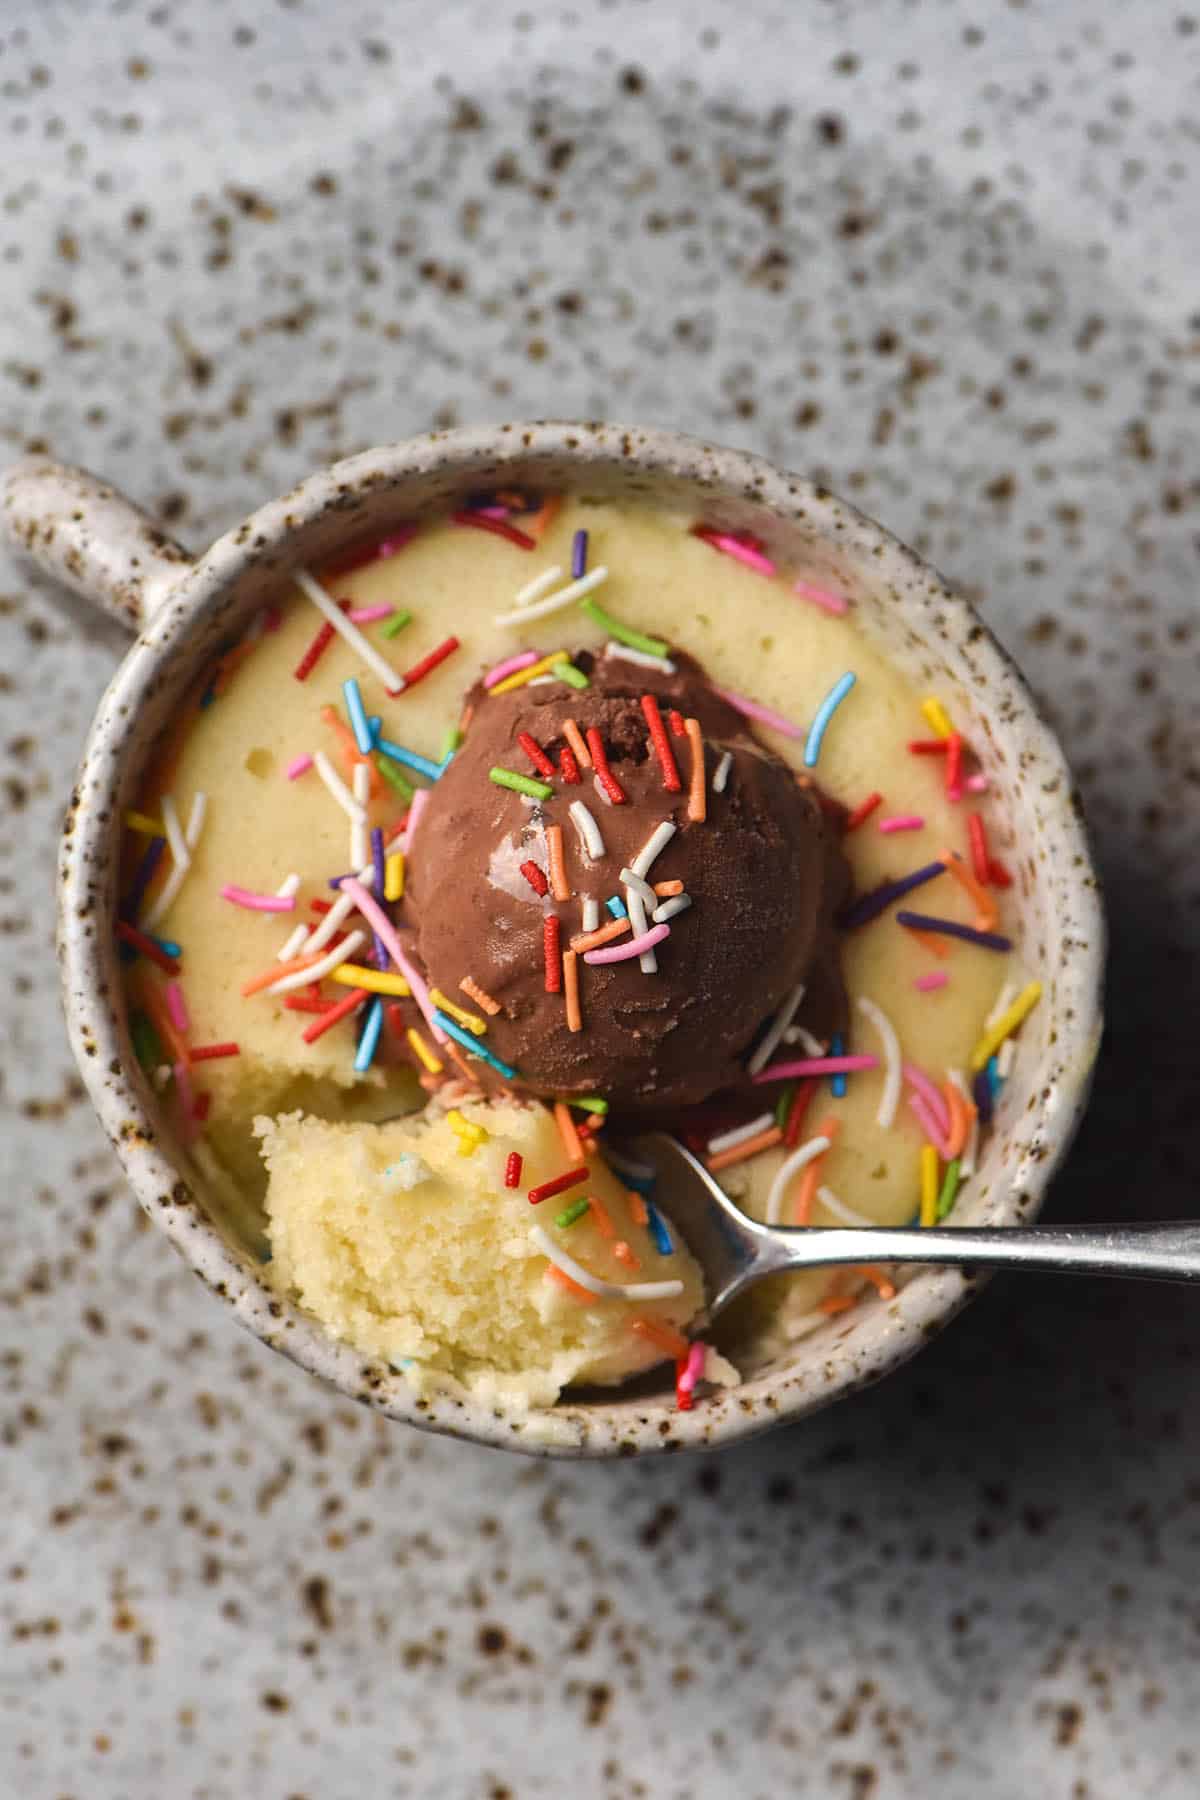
(272, 618)
(367, 615)
(929, 1126)
(918, 1079)
(753, 559)
(177, 1007)
(977, 784)
(258, 902)
(925, 984)
(389, 546)
(628, 947)
(420, 801)
(830, 603)
(299, 765)
(811, 1065)
(509, 666)
(752, 710)
(902, 822)
(187, 1101)
(490, 512)
(695, 1368)
(379, 922)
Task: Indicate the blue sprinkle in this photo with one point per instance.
(358, 715)
(658, 1230)
(579, 554)
(151, 856)
(473, 1046)
(616, 907)
(981, 1092)
(375, 725)
(837, 1083)
(993, 1077)
(368, 1043)
(167, 945)
(422, 764)
(825, 712)
(207, 697)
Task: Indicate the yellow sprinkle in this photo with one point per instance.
(145, 826)
(393, 876)
(524, 675)
(938, 717)
(929, 1185)
(376, 981)
(468, 1020)
(464, 1128)
(423, 1051)
(1005, 1025)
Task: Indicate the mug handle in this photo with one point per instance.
(88, 536)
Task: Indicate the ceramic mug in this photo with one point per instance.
(185, 609)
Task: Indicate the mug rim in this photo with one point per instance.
(92, 986)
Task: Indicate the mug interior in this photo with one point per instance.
(929, 633)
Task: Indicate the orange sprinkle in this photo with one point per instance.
(662, 1336)
(464, 723)
(571, 990)
(155, 1004)
(960, 1120)
(463, 1066)
(539, 522)
(837, 1303)
(986, 916)
(603, 1217)
(561, 1279)
(574, 737)
(697, 806)
(625, 1255)
(277, 970)
(666, 890)
(810, 1177)
(637, 1207)
(474, 992)
(936, 946)
(350, 751)
(763, 1140)
(883, 1287)
(592, 940)
(558, 868)
(567, 1132)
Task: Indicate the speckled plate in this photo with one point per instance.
(943, 258)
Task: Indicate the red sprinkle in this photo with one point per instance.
(536, 754)
(551, 942)
(569, 766)
(200, 1110)
(999, 874)
(559, 1185)
(684, 1397)
(321, 906)
(317, 648)
(604, 775)
(210, 1052)
(536, 878)
(306, 1003)
(500, 527)
(662, 745)
(512, 1169)
(801, 1101)
(979, 849)
(360, 556)
(319, 1027)
(678, 727)
(427, 664)
(137, 940)
(393, 1012)
(954, 756)
(863, 810)
(929, 746)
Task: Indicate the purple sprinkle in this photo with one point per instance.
(132, 904)
(987, 940)
(879, 899)
(981, 1089)
(579, 549)
(382, 960)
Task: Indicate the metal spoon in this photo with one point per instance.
(734, 1251)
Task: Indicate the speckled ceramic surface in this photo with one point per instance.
(939, 256)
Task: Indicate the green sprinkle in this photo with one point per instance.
(587, 1102)
(450, 743)
(520, 784)
(624, 634)
(396, 624)
(783, 1105)
(394, 778)
(146, 1044)
(569, 1214)
(571, 675)
(949, 1189)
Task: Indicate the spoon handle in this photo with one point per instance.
(1151, 1252)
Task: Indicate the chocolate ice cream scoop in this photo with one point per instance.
(762, 870)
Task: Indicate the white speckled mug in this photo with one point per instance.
(183, 610)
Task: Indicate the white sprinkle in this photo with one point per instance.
(360, 844)
(967, 1161)
(293, 945)
(653, 847)
(791, 1165)
(775, 1030)
(174, 830)
(341, 909)
(362, 646)
(607, 1290)
(721, 773)
(175, 880)
(636, 907)
(889, 1099)
(589, 831)
(671, 908)
(1005, 1057)
(318, 971)
(645, 658)
(642, 888)
(543, 681)
(575, 590)
(741, 1134)
(533, 590)
(162, 1075)
(407, 1172)
(288, 887)
(1004, 1000)
(840, 1210)
(591, 915)
(337, 787)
